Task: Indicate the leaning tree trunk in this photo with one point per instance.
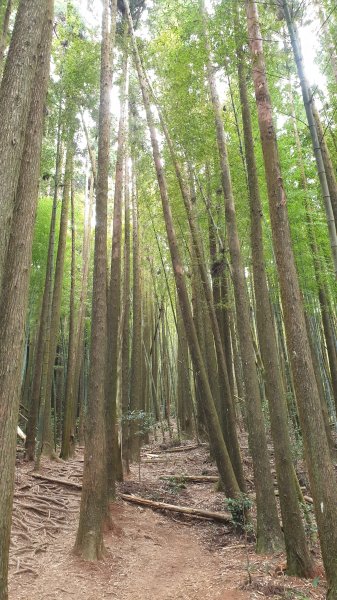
(299, 561)
(269, 535)
(321, 472)
(89, 540)
(14, 293)
(221, 453)
(308, 104)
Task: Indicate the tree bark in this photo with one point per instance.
(89, 540)
(68, 438)
(114, 294)
(14, 292)
(299, 561)
(16, 90)
(221, 453)
(269, 535)
(321, 473)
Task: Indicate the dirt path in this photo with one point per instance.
(149, 555)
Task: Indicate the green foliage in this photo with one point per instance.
(239, 508)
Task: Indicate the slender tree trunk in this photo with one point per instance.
(321, 473)
(68, 438)
(14, 291)
(221, 453)
(137, 347)
(4, 32)
(269, 535)
(184, 395)
(114, 300)
(47, 446)
(44, 316)
(125, 374)
(86, 251)
(322, 292)
(308, 104)
(299, 561)
(219, 384)
(89, 540)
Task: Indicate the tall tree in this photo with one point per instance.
(14, 292)
(16, 91)
(299, 561)
(321, 473)
(269, 535)
(89, 540)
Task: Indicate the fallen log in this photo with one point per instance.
(185, 510)
(192, 478)
(66, 482)
(181, 448)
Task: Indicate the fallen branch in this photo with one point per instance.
(186, 510)
(182, 448)
(66, 482)
(192, 478)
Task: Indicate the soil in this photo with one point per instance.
(150, 555)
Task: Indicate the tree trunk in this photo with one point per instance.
(125, 373)
(47, 446)
(45, 311)
(308, 104)
(14, 292)
(68, 438)
(299, 561)
(269, 535)
(221, 453)
(136, 352)
(89, 540)
(114, 298)
(16, 90)
(321, 473)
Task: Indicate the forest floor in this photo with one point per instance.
(150, 555)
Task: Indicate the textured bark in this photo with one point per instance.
(221, 453)
(299, 561)
(321, 473)
(15, 99)
(114, 298)
(14, 293)
(269, 535)
(89, 540)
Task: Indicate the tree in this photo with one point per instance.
(14, 291)
(89, 540)
(317, 454)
